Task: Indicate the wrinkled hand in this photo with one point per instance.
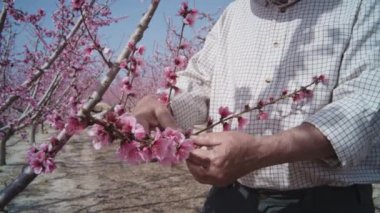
(151, 113)
(223, 157)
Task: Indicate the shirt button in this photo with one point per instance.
(275, 44)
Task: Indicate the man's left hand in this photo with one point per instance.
(223, 157)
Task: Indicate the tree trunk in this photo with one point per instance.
(18, 185)
(43, 128)
(3, 149)
(33, 130)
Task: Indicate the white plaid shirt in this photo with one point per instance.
(255, 51)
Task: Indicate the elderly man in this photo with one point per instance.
(320, 155)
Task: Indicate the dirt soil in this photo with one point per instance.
(87, 180)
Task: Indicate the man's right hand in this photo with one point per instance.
(151, 113)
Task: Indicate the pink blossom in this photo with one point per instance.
(184, 45)
(130, 152)
(173, 135)
(242, 122)
(302, 94)
(180, 61)
(263, 115)
(163, 97)
(77, 4)
(126, 86)
(88, 50)
(123, 64)
(41, 12)
(183, 9)
(184, 150)
(141, 50)
(161, 148)
(261, 104)
(170, 76)
(74, 125)
(40, 160)
(226, 126)
(139, 131)
(56, 121)
(100, 137)
(191, 17)
(147, 154)
(111, 117)
(160, 145)
(224, 112)
(131, 45)
(107, 51)
(130, 126)
(170, 146)
(308, 93)
(320, 79)
(119, 109)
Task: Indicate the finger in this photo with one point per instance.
(165, 119)
(200, 157)
(143, 122)
(205, 140)
(198, 172)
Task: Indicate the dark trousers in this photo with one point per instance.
(324, 199)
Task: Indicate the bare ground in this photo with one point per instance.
(97, 181)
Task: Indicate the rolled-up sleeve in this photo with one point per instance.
(190, 106)
(350, 121)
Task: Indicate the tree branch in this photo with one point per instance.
(27, 175)
(41, 70)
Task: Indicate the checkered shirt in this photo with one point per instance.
(255, 51)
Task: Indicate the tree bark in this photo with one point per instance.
(18, 185)
(3, 16)
(32, 136)
(3, 146)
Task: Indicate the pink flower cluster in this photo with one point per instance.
(224, 112)
(189, 15)
(168, 147)
(22, 16)
(77, 4)
(133, 65)
(171, 76)
(73, 124)
(41, 160)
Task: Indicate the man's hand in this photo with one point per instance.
(226, 156)
(223, 157)
(151, 113)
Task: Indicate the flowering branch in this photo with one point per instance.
(28, 173)
(95, 43)
(41, 70)
(298, 94)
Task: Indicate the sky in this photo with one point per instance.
(116, 35)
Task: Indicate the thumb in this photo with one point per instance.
(200, 157)
(206, 139)
(165, 118)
